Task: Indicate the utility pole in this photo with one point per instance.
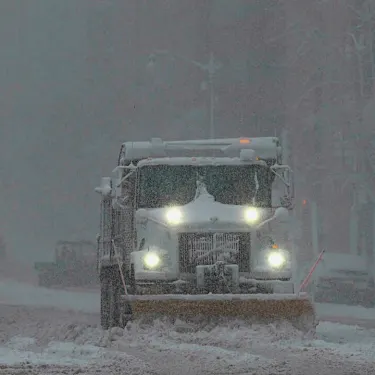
(211, 68)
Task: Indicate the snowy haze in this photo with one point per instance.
(45, 194)
(75, 82)
(53, 130)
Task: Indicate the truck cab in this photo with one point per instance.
(177, 215)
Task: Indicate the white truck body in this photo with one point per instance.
(185, 239)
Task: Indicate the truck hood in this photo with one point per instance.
(203, 211)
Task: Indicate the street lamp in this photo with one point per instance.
(211, 68)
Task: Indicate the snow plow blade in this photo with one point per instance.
(253, 308)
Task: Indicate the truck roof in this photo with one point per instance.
(198, 161)
(264, 148)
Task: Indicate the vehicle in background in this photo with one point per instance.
(199, 228)
(74, 265)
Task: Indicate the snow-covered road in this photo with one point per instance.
(56, 332)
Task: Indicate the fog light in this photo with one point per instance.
(151, 260)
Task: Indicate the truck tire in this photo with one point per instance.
(44, 280)
(104, 299)
(110, 297)
(115, 297)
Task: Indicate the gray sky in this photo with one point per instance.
(74, 84)
(42, 91)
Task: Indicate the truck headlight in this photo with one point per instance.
(151, 260)
(251, 215)
(276, 259)
(174, 216)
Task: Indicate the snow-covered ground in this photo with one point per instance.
(45, 331)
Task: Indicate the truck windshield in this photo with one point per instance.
(163, 185)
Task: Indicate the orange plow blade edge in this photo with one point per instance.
(253, 308)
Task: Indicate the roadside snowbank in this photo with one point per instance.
(17, 293)
(344, 311)
(16, 270)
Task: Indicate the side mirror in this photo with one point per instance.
(289, 194)
(286, 175)
(281, 213)
(286, 202)
(105, 188)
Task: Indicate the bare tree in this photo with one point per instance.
(326, 91)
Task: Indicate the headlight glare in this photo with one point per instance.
(174, 216)
(276, 259)
(251, 215)
(151, 260)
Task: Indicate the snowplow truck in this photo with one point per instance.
(74, 265)
(190, 230)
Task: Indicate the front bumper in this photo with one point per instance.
(248, 286)
(267, 273)
(261, 274)
(207, 280)
(155, 276)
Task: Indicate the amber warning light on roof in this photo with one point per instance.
(244, 141)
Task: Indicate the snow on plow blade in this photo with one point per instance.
(253, 308)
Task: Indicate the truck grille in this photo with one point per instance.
(196, 249)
